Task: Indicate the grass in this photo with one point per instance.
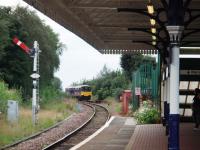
(52, 113)
(6, 94)
(113, 106)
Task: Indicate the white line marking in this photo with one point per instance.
(93, 135)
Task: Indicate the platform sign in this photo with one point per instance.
(137, 91)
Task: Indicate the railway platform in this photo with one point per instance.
(115, 135)
(152, 137)
(122, 133)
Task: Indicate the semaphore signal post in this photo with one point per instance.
(35, 75)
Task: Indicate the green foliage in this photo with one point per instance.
(130, 63)
(108, 84)
(7, 94)
(117, 93)
(61, 106)
(147, 114)
(56, 83)
(118, 108)
(15, 65)
(49, 94)
(10, 133)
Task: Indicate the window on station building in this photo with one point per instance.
(181, 111)
(182, 98)
(193, 85)
(190, 99)
(188, 112)
(183, 85)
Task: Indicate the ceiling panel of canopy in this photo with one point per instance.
(121, 26)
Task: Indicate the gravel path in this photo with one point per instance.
(56, 133)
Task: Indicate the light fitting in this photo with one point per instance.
(150, 8)
(153, 30)
(153, 22)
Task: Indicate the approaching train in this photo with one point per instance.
(81, 92)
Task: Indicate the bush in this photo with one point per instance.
(117, 93)
(49, 94)
(8, 94)
(102, 94)
(147, 114)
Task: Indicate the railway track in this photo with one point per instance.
(99, 118)
(50, 135)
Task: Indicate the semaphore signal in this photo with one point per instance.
(23, 46)
(34, 52)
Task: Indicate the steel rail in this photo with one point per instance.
(62, 140)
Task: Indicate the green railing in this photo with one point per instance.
(146, 78)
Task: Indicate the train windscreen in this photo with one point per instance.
(86, 89)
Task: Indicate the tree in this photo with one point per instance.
(15, 65)
(105, 71)
(56, 83)
(108, 84)
(130, 63)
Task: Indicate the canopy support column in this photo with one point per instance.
(167, 100)
(174, 100)
(175, 28)
(173, 140)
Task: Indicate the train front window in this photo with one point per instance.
(86, 89)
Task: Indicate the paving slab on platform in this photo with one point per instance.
(189, 139)
(123, 134)
(148, 137)
(152, 137)
(114, 137)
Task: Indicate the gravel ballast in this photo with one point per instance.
(58, 132)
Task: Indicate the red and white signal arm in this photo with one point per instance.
(21, 45)
(137, 91)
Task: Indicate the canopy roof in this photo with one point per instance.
(121, 26)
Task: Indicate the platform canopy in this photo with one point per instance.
(122, 26)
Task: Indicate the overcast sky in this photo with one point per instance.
(80, 60)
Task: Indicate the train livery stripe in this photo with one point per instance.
(86, 93)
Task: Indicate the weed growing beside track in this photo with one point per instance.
(50, 114)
